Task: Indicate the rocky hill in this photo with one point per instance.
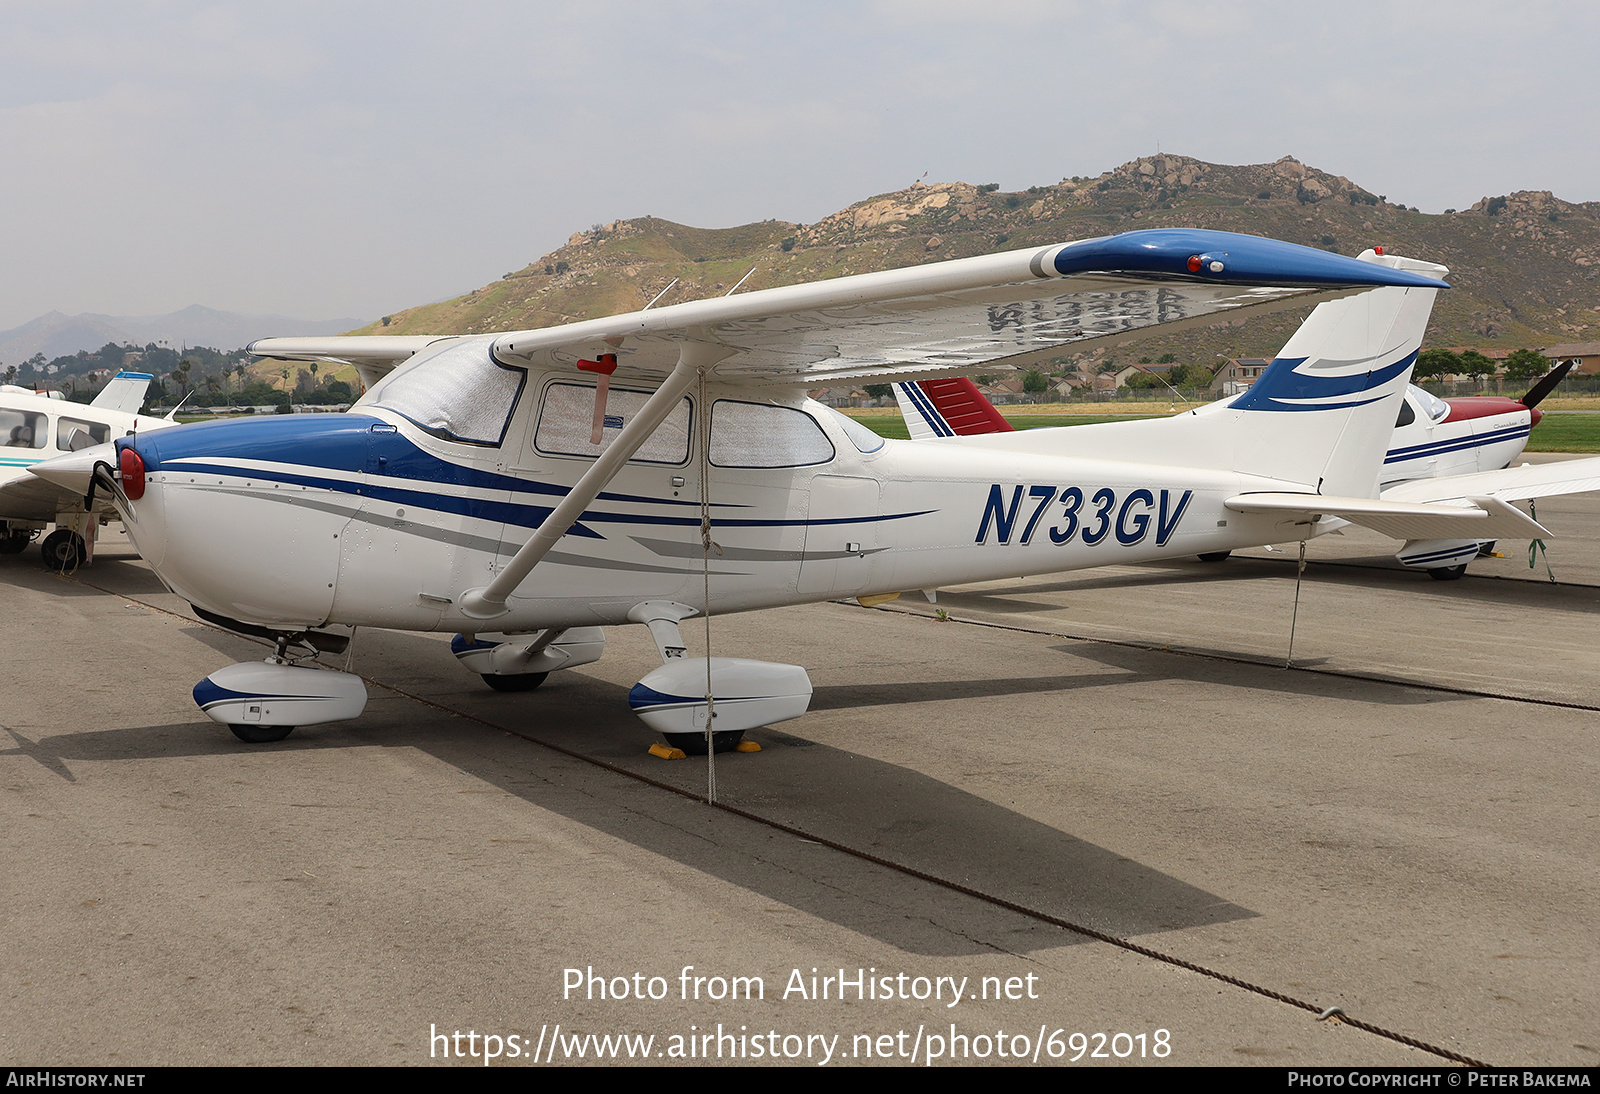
(1525, 266)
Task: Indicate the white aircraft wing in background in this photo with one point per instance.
(374, 356)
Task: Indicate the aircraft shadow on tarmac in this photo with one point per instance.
(882, 808)
(1263, 676)
(1375, 574)
(121, 570)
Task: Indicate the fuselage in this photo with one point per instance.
(35, 428)
(372, 519)
(1436, 438)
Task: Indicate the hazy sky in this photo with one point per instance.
(350, 159)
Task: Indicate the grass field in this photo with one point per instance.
(1565, 431)
(1560, 431)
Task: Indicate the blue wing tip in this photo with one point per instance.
(1199, 254)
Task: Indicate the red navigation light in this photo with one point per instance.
(1377, 250)
(1194, 263)
(132, 474)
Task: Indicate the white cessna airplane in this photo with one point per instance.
(526, 489)
(36, 426)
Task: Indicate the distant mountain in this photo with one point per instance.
(1525, 266)
(57, 335)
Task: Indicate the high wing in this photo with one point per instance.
(374, 356)
(1010, 309)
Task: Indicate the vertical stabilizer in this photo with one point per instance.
(947, 408)
(124, 392)
(1324, 410)
(1319, 418)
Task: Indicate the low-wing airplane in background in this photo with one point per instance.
(526, 489)
(1433, 438)
(35, 426)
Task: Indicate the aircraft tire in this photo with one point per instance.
(521, 681)
(1486, 549)
(63, 550)
(1214, 556)
(694, 744)
(12, 543)
(260, 734)
(1448, 573)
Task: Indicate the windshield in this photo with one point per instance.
(458, 392)
(1431, 405)
(860, 435)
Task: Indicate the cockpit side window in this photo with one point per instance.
(762, 435)
(1407, 415)
(865, 440)
(459, 392)
(566, 424)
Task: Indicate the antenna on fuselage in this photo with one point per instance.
(742, 280)
(1164, 380)
(172, 415)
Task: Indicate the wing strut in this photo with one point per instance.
(490, 600)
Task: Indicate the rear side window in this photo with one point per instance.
(73, 435)
(566, 422)
(761, 435)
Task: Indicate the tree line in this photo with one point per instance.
(209, 377)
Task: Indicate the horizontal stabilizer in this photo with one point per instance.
(1473, 518)
(1545, 480)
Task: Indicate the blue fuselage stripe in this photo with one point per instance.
(1436, 448)
(512, 513)
(930, 413)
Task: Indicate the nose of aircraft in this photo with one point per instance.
(242, 518)
(74, 472)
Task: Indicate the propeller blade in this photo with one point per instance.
(1546, 385)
